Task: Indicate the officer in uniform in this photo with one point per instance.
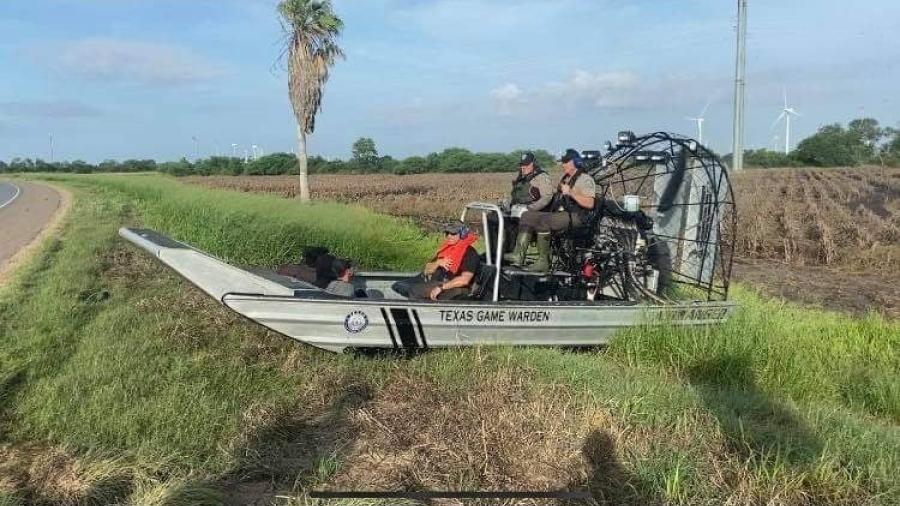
(569, 207)
(531, 189)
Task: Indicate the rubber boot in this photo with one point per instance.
(542, 264)
(517, 257)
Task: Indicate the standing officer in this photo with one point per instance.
(570, 207)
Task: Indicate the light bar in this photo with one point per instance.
(651, 156)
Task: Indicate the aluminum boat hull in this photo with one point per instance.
(305, 313)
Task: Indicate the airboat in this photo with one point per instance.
(657, 251)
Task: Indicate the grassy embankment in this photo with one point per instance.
(118, 382)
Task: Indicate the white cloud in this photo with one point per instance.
(506, 98)
(601, 89)
(105, 58)
(617, 89)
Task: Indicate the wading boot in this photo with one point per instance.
(517, 257)
(542, 264)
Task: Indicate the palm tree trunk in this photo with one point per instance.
(302, 165)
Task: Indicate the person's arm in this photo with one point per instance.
(545, 187)
(585, 201)
(430, 267)
(460, 281)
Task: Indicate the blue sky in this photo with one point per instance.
(140, 78)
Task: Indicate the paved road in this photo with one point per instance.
(24, 216)
(8, 193)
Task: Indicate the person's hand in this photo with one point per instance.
(435, 292)
(565, 189)
(445, 263)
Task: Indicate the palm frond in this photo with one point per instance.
(311, 29)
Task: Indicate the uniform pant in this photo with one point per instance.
(543, 221)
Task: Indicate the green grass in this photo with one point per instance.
(105, 354)
(253, 229)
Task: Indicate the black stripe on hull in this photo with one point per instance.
(405, 329)
(419, 326)
(390, 328)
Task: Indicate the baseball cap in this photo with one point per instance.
(569, 155)
(453, 227)
(527, 158)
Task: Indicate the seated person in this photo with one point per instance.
(570, 208)
(451, 272)
(306, 270)
(343, 272)
(531, 189)
(324, 267)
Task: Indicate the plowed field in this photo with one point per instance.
(826, 236)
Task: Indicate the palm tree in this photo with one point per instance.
(310, 28)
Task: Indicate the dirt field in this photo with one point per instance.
(822, 236)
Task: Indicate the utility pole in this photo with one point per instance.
(51, 147)
(737, 152)
(196, 147)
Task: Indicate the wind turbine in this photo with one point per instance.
(699, 120)
(233, 150)
(786, 113)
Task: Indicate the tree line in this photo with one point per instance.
(364, 160)
(862, 141)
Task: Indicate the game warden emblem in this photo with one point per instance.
(356, 322)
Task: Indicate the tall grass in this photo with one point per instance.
(260, 230)
(107, 355)
(787, 351)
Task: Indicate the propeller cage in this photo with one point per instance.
(684, 188)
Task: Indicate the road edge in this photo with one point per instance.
(14, 197)
(9, 269)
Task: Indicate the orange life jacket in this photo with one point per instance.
(455, 252)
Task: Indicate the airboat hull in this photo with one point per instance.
(305, 313)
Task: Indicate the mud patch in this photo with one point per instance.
(854, 293)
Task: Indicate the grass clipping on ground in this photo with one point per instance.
(121, 383)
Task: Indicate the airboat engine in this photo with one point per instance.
(680, 188)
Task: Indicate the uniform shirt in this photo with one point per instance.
(542, 185)
(585, 186)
